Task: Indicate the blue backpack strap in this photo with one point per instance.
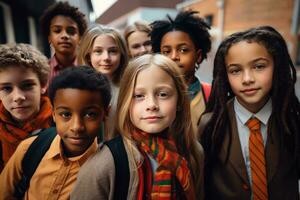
(119, 153)
(206, 89)
(33, 157)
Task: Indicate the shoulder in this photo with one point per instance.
(204, 119)
(96, 178)
(100, 163)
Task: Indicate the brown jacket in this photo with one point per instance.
(230, 180)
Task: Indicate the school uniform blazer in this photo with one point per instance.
(230, 180)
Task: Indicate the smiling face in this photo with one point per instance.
(139, 43)
(154, 102)
(178, 46)
(250, 73)
(64, 35)
(20, 92)
(105, 55)
(78, 115)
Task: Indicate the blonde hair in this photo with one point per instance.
(136, 26)
(87, 42)
(27, 56)
(181, 128)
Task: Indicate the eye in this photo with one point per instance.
(65, 114)
(27, 86)
(114, 51)
(147, 43)
(71, 31)
(163, 95)
(6, 89)
(233, 70)
(135, 46)
(259, 66)
(165, 51)
(138, 96)
(97, 51)
(183, 50)
(91, 114)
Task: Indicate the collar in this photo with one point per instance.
(56, 150)
(194, 88)
(54, 63)
(244, 115)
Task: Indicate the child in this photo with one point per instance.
(104, 49)
(138, 39)
(78, 108)
(63, 25)
(151, 110)
(185, 40)
(23, 107)
(253, 82)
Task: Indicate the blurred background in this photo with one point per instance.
(19, 20)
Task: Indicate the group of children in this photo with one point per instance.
(156, 113)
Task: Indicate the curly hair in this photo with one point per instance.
(285, 115)
(187, 22)
(25, 55)
(87, 78)
(65, 9)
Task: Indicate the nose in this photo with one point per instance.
(105, 55)
(174, 55)
(18, 95)
(152, 104)
(65, 35)
(248, 77)
(77, 125)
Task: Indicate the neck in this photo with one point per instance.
(65, 60)
(189, 80)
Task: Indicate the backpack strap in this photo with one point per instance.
(206, 89)
(119, 153)
(33, 157)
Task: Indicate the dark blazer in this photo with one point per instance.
(230, 180)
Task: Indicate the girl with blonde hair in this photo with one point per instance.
(138, 39)
(164, 158)
(104, 49)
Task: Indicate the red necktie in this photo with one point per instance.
(257, 161)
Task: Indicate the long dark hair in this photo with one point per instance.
(285, 115)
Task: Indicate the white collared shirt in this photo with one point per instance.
(242, 116)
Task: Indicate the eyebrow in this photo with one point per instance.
(88, 107)
(252, 61)
(26, 80)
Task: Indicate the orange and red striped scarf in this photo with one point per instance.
(11, 135)
(170, 165)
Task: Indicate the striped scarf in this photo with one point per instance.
(171, 165)
(11, 135)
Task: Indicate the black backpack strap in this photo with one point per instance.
(33, 157)
(119, 153)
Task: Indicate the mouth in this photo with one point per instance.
(250, 91)
(65, 44)
(77, 140)
(152, 118)
(20, 108)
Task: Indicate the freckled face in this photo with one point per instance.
(139, 43)
(154, 104)
(250, 73)
(105, 55)
(20, 92)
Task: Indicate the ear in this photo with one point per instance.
(43, 90)
(53, 115)
(106, 113)
(199, 56)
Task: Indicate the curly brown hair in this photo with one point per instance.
(65, 9)
(25, 55)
